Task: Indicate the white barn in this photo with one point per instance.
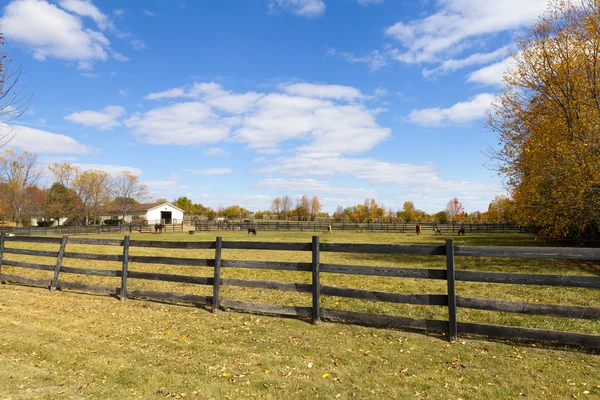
(154, 213)
(166, 212)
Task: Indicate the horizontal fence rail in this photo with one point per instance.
(451, 327)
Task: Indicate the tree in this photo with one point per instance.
(185, 204)
(231, 212)
(276, 206)
(315, 207)
(93, 189)
(500, 209)
(19, 174)
(13, 101)
(338, 215)
(63, 173)
(409, 211)
(547, 122)
(61, 202)
(455, 210)
(128, 192)
(286, 206)
(440, 217)
(302, 208)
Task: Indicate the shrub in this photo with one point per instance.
(113, 221)
(45, 224)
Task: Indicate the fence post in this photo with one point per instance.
(124, 269)
(217, 275)
(2, 239)
(59, 258)
(451, 279)
(316, 284)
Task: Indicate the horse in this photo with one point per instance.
(252, 231)
(437, 231)
(418, 229)
(461, 231)
(329, 229)
(159, 228)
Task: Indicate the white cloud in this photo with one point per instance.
(324, 190)
(49, 31)
(123, 92)
(118, 56)
(85, 8)
(366, 169)
(165, 185)
(214, 151)
(148, 13)
(339, 128)
(380, 92)
(304, 8)
(474, 59)
(368, 2)
(90, 75)
(375, 59)
(458, 24)
(105, 119)
(119, 12)
(211, 171)
(85, 66)
(111, 169)
(492, 74)
(167, 94)
(182, 124)
(330, 117)
(42, 142)
(337, 92)
(460, 113)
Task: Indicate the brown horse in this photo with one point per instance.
(419, 229)
(437, 231)
(329, 229)
(461, 231)
(252, 231)
(159, 228)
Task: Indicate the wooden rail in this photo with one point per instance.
(450, 327)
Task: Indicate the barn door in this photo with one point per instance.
(166, 217)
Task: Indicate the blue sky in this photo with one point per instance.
(240, 101)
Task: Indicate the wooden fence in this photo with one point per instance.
(88, 229)
(321, 226)
(450, 327)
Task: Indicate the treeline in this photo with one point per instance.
(309, 208)
(76, 196)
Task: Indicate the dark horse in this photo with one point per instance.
(461, 231)
(159, 228)
(252, 231)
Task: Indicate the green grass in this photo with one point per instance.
(62, 344)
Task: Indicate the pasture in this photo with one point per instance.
(66, 344)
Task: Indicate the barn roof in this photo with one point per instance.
(162, 204)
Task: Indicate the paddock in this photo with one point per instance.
(177, 270)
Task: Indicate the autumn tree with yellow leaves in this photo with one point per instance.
(548, 119)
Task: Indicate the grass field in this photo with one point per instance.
(61, 345)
